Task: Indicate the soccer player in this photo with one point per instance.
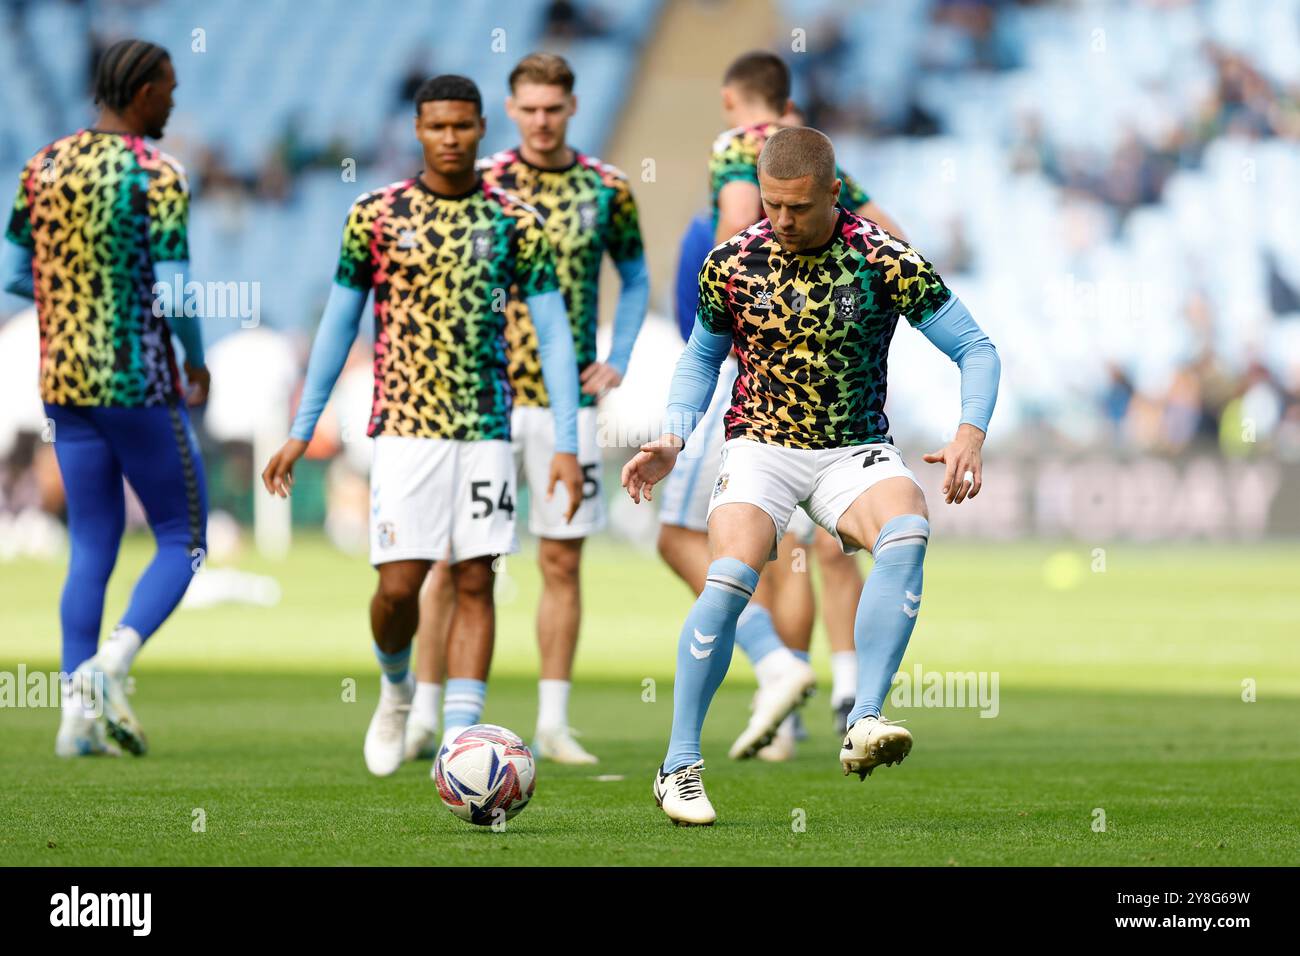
(589, 213)
(440, 252)
(100, 217)
(809, 298)
(756, 103)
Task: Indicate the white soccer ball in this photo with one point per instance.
(486, 775)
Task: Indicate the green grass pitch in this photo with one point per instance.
(1120, 692)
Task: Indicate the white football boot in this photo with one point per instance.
(386, 736)
(873, 741)
(782, 747)
(108, 690)
(681, 795)
(82, 732)
(421, 739)
(773, 703)
(558, 744)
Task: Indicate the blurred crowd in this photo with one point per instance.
(1225, 383)
(1206, 403)
(1220, 388)
(1242, 102)
(1209, 399)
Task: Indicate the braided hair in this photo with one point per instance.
(123, 68)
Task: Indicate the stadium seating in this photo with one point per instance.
(243, 104)
(1143, 68)
(1052, 270)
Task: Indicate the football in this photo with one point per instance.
(486, 775)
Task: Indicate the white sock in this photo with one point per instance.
(117, 653)
(844, 676)
(552, 704)
(402, 691)
(773, 665)
(428, 698)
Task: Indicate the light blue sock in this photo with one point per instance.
(805, 656)
(704, 653)
(756, 634)
(462, 702)
(396, 665)
(887, 609)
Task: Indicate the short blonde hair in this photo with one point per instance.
(546, 69)
(796, 152)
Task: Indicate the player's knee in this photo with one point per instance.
(730, 584)
(667, 543)
(98, 538)
(902, 537)
(560, 561)
(185, 531)
(397, 588)
(474, 580)
(91, 559)
(438, 586)
(840, 571)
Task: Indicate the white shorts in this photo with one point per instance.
(436, 499)
(801, 526)
(684, 494)
(824, 481)
(532, 432)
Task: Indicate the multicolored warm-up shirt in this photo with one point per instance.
(812, 330)
(97, 211)
(588, 210)
(735, 159)
(443, 269)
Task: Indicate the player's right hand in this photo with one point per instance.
(565, 470)
(651, 465)
(278, 474)
(961, 456)
(200, 380)
(599, 377)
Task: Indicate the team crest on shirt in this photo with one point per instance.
(846, 303)
(587, 215)
(480, 243)
(720, 485)
(387, 535)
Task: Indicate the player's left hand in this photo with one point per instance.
(200, 382)
(564, 468)
(962, 477)
(277, 476)
(651, 465)
(599, 377)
